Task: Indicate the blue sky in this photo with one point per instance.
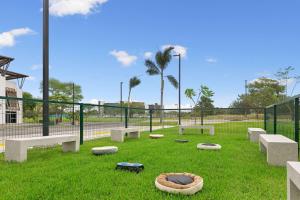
(226, 42)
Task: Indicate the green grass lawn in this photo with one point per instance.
(239, 171)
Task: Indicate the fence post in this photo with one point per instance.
(201, 116)
(296, 118)
(81, 123)
(126, 117)
(265, 118)
(275, 118)
(150, 112)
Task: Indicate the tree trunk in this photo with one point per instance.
(162, 98)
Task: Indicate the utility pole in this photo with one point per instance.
(46, 68)
(121, 100)
(73, 94)
(179, 88)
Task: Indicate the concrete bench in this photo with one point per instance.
(211, 128)
(279, 149)
(16, 149)
(119, 133)
(293, 180)
(253, 133)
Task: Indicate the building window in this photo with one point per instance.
(11, 117)
(12, 105)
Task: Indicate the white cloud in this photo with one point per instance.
(148, 55)
(123, 57)
(31, 78)
(290, 82)
(94, 101)
(8, 39)
(177, 49)
(211, 60)
(62, 8)
(36, 67)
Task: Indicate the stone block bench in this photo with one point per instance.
(293, 180)
(16, 149)
(118, 134)
(211, 128)
(253, 133)
(279, 149)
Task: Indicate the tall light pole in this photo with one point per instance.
(73, 95)
(121, 100)
(45, 68)
(179, 87)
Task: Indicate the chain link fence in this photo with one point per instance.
(283, 118)
(23, 118)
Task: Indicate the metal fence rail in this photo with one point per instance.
(23, 118)
(283, 118)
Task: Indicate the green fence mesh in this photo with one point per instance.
(283, 118)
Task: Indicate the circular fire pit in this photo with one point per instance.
(104, 150)
(181, 141)
(179, 183)
(208, 146)
(156, 136)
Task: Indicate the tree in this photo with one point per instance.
(133, 82)
(203, 101)
(28, 105)
(62, 91)
(162, 59)
(206, 101)
(284, 75)
(262, 92)
(190, 94)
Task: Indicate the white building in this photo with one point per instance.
(11, 83)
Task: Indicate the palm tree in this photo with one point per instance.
(190, 94)
(162, 59)
(133, 82)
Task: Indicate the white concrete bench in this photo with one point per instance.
(279, 149)
(211, 128)
(293, 180)
(16, 149)
(253, 133)
(119, 133)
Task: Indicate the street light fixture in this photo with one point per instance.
(179, 87)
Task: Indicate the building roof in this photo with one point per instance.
(5, 60)
(9, 75)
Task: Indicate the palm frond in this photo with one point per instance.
(152, 68)
(167, 53)
(133, 82)
(190, 93)
(173, 81)
(164, 58)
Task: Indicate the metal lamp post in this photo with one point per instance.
(46, 68)
(121, 100)
(73, 109)
(179, 88)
